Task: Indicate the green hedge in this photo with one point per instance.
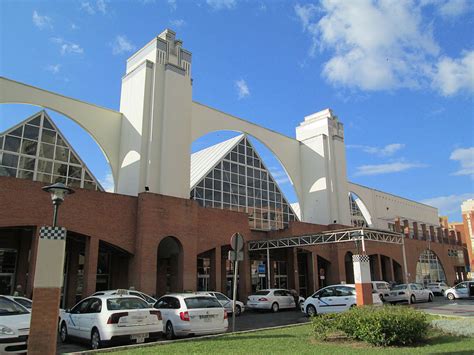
(381, 326)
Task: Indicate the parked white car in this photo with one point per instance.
(410, 293)
(272, 299)
(437, 287)
(461, 290)
(191, 314)
(226, 302)
(382, 288)
(25, 302)
(334, 299)
(14, 326)
(148, 299)
(110, 318)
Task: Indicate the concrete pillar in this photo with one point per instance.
(72, 269)
(90, 266)
(362, 279)
(245, 281)
(32, 263)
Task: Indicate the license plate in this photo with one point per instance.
(140, 338)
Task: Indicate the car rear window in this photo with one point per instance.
(10, 308)
(120, 303)
(261, 293)
(202, 302)
(399, 287)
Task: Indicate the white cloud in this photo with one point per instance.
(177, 23)
(74, 26)
(102, 6)
(42, 21)
(108, 183)
(242, 88)
(122, 44)
(448, 204)
(221, 4)
(387, 168)
(453, 8)
(454, 75)
(87, 7)
(385, 151)
(173, 5)
(67, 47)
(465, 157)
(53, 68)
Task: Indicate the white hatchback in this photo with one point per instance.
(148, 299)
(226, 302)
(14, 327)
(410, 293)
(272, 299)
(110, 318)
(334, 299)
(191, 314)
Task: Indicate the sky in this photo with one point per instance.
(398, 74)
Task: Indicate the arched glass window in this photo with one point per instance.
(429, 268)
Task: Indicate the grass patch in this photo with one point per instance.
(301, 340)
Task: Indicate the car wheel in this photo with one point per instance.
(430, 298)
(169, 333)
(63, 333)
(311, 310)
(238, 310)
(412, 299)
(451, 296)
(95, 339)
(275, 307)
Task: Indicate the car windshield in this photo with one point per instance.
(381, 286)
(202, 302)
(399, 287)
(10, 308)
(261, 293)
(24, 303)
(120, 303)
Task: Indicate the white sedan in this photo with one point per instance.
(410, 293)
(110, 318)
(272, 299)
(226, 302)
(148, 299)
(437, 287)
(191, 314)
(334, 299)
(14, 327)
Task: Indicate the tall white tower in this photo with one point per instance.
(323, 169)
(156, 102)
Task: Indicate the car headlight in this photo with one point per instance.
(4, 330)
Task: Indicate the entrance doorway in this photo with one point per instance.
(169, 266)
(349, 268)
(7, 271)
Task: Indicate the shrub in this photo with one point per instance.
(381, 326)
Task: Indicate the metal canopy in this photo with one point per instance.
(337, 236)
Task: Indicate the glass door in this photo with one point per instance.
(7, 271)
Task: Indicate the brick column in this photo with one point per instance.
(415, 230)
(70, 292)
(439, 235)
(362, 279)
(90, 266)
(423, 230)
(432, 234)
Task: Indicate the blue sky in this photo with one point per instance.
(399, 74)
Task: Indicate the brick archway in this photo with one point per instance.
(169, 273)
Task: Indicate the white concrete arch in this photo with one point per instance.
(285, 149)
(102, 124)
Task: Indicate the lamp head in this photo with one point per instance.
(58, 192)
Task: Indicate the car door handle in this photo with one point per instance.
(346, 299)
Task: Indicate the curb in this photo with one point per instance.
(165, 342)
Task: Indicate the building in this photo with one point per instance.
(168, 224)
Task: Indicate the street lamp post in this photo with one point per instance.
(48, 279)
(58, 192)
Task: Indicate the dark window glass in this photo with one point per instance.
(47, 151)
(202, 302)
(1, 142)
(95, 306)
(31, 132)
(81, 307)
(75, 183)
(27, 163)
(47, 124)
(62, 154)
(7, 171)
(60, 169)
(35, 121)
(29, 147)
(12, 144)
(43, 177)
(89, 185)
(48, 136)
(10, 160)
(60, 141)
(217, 174)
(45, 166)
(17, 132)
(61, 179)
(87, 176)
(23, 174)
(75, 171)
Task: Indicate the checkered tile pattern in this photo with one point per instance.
(56, 233)
(360, 258)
